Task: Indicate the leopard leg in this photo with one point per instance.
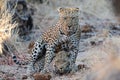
(48, 57)
(73, 56)
(74, 48)
(37, 52)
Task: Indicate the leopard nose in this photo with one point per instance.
(60, 68)
(69, 26)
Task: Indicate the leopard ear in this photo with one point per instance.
(60, 9)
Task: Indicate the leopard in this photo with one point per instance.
(21, 16)
(55, 38)
(62, 63)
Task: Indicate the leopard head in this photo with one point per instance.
(69, 20)
(22, 10)
(62, 63)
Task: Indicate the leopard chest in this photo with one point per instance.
(51, 35)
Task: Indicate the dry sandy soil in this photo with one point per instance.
(99, 41)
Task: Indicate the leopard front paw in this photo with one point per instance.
(64, 38)
(30, 70)
(45, 71)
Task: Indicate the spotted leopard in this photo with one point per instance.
(63, 60)
(21, 16)
(54, 39)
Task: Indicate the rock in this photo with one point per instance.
(24, 77)
(86, 28)
(38, 76)
(82, 66)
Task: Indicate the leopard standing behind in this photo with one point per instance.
(22, 16)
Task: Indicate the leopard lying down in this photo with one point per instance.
(62, 63)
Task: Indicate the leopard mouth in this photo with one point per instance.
(64, 70)
(70, 32)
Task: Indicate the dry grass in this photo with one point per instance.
(6, 24)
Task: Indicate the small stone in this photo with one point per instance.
(86, 28)
(93, 43)
(81, 66)
(24, 77)
(38, 76)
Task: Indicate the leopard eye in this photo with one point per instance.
(73, 17)
(61, 32)
(20, 7)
